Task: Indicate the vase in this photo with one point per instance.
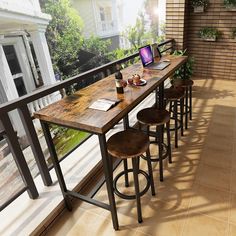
(198, 9)
(210, 39)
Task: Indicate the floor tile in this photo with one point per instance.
(215, 177)
(210, 202)
(198, 224)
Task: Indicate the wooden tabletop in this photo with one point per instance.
(72, 111)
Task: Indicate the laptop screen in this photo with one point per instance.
(146, 56)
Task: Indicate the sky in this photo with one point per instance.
(131, 10)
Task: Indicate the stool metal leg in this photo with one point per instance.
(136, 185)
(168, 141)
(126, 173)
(190, 102)
(150, 172)
(181, 116)
(160, 137)
(176, 123)
(186, 108)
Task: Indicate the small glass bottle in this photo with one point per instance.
(119, 84)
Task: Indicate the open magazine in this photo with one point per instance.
(104, 104)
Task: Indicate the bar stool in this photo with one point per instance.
(158, 118)
(132, 144)
(187, 85)
(175, 95)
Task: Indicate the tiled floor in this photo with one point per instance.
(198, 195)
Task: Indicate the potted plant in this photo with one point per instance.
(209, 34)
(230, 4)
(179, 74)
(199, 5)
(234, 33)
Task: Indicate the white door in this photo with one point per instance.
(18, 63)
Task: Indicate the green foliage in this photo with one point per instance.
(64, 33)
(208, 32)
(135, 34)
(233, 32)
(230, 3)
(66, 139)
(200, 3)
(65, 39)
(189, 66)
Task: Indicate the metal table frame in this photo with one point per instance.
(107, 167)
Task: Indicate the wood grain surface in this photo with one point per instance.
(72, 111)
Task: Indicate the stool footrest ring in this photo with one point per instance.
(130, 197)
(178, 126)
(164, 153)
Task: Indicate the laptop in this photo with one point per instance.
(147, 59)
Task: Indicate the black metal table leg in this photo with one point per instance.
(161, 96)
(126, 126)
(56, 164)
(186, 108)
(108, 179)
(181, 115)
(190, 102)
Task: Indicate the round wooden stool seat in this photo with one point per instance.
(128, 144)
(152, 116)
(182, 83)
(173, 93)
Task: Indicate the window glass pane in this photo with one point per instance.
(12, 59)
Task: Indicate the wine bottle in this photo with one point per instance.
(119, 85)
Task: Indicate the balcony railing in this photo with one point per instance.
(28, 104)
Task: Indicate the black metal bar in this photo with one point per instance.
(161, 96)
(150, 172)
(18, 156)
(126, 122)
(137, 192)
(102, 180)
(176, 122)
(168, 141)
(156, 98)
(9, 201)
(87, 199)
(108, 178)
(186, 107)
(126, 172)
(190, 103)
(181, 116)
(166, 49)
(56, 164)
(35, 145)
(160, 148)
(126, 126)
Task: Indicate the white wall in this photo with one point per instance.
(28, 7)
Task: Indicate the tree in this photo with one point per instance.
(135, 34)
(63, 34)
(65, 39)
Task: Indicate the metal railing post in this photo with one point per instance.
(18, 156)
(35, 145)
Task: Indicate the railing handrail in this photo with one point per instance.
(41, 92)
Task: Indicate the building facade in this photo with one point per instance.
(25, 62)
(102, 18)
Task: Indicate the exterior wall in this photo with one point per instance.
(85, 9)
(213, 59)
(29, 7)
(89, 12)
(175, 22)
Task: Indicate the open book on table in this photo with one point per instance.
(104, 104)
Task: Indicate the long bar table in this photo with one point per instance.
(73, 112)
